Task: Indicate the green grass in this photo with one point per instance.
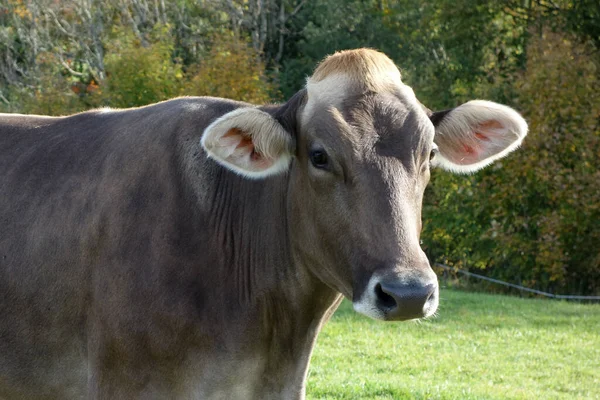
(479, 347)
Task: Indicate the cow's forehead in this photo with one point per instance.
(394, 126)
(392, 122)
(339, 88)
(366, 85)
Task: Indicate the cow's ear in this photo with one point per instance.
(475, 134)
(249, 142)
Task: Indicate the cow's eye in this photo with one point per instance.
(434, 151)
(318, 158)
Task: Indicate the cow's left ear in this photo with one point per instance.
(475, 134)
(249, 142)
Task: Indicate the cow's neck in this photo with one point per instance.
(250, 220)
(250, 227)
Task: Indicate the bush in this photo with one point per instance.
(140, 71)
(232, 70)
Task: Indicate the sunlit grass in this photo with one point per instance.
(479, 347)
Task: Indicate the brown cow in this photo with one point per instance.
(192, 249)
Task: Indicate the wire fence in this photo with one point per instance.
(518, 287)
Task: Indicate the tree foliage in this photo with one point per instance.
(554, 204)
(232, 70)
(532, 218)
(141, 73)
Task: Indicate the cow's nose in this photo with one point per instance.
(406, 301)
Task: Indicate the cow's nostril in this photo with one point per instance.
(384, 299)
(400, 301)
(431, 296)
(431, 300)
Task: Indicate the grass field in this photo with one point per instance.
(479, 347)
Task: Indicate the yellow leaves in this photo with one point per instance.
(231, 70)
(141, 73)
(19, 9)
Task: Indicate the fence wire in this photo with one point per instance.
(518, 287)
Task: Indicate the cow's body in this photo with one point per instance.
(192, 249)
(111, 245)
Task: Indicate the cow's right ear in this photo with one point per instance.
(249, 142)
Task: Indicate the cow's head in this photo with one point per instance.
(361, 147)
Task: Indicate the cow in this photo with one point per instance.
(193, 248)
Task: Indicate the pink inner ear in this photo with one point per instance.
(244, 142)
(468, 149)
(245, 147)
(473, 150)
(488, 128)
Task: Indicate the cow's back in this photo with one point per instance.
(85, 200)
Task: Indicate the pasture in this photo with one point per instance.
(479, 346)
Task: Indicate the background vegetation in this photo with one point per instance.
(531, 219)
